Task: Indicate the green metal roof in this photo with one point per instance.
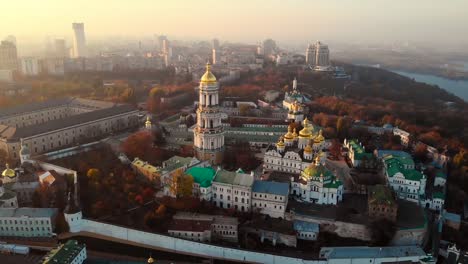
(440, 174)
(334, 184)
(398, 164)
(202, 176)
(359, 152)
(66, 253)
(438, 195)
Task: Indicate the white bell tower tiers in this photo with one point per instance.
(208, 133)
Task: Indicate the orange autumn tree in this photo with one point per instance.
(180, 184)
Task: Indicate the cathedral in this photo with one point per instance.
(317, 184)
(208, 132)
(295, 151)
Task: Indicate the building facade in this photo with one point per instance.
(8, 56)
(270, 198)
(381, 203)
(56, 124)
(79, 40)
(317, 54)
(408, 184)
(208, 133)
(71, 252)
(27, 222)
(316, 184)
(233, 190)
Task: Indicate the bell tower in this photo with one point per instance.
(208, 134)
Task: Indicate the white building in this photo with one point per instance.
(71, 253)
(408, 183)
(294, 151)
(306, 230)
(318, 54)
(356, 152)
(29, 66)
(316, 184)
(208, 133)
(79, 41)
(27, 222)
(233, 190)
(270, 198)
(404, 136)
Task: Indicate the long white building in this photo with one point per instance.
(27, 222)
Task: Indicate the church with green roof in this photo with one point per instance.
(317, 184)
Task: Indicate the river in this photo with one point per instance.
(456, 87)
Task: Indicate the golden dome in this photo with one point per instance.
(308, 149)
(150, 260)
(148, 121)
(208, 77)
(289, 135)
(280, 143)
(294, 133)
(305, 132)
(8, 172)
(320, 138)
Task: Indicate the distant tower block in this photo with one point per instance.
(208, 133)
(79, 40)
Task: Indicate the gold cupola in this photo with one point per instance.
(208, 77)
(289, 135)
(305, 132)
(295, 133)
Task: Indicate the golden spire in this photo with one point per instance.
(295, 133)
(208, 77)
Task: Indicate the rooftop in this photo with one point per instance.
(371, 252)
(28, 212)
(302, 226)
(37, 106)
(66, 253)
(234, 178)
(27, 131)
(190, 225)
(396, 153)
(271, 187)
(380, 194)
(202, 176)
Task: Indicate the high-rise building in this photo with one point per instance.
(208, 132)
(215, 44)
(8, 56)
(160, 42)
(29, 66)
(323, 54)
(215, 58)
(60, 48)
(11, 39)
(310, 54)
(269, 47)
(79, 40)
(318, 54)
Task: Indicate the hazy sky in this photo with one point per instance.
(243, 20)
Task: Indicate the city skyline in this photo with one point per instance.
(297, 23)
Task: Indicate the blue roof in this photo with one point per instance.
(397, 153)
(270, 187)
(302, 226)
(452, 217)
